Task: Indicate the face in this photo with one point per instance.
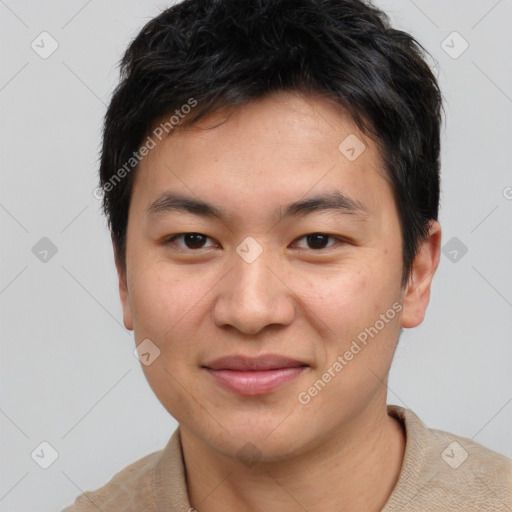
(307, 295)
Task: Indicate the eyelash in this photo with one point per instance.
(171, 240)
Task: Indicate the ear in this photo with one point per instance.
(123, 292)
(417, 291)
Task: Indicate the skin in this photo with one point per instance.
(198, 304)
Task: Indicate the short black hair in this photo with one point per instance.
(216, 54)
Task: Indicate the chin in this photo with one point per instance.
(258, 441)
(259, 451)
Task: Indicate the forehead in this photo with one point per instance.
(270, 151)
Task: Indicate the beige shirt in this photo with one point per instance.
(440, 472)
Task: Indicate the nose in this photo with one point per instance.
(253, 296)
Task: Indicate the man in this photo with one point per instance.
(270, 172)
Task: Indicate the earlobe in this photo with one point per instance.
(123, 294)
(125, 302)
(417, 292)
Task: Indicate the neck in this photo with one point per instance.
(354, 469)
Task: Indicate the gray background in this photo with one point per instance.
(68, 374)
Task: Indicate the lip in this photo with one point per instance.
(244, 363)
(254, 376)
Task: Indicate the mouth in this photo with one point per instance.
(254, 376)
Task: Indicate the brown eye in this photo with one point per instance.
(191, 240)
(317, 241)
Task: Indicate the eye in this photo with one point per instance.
(318, 240)
(191, 240)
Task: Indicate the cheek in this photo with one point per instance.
(161, 300)
(166, 306)
(350, 302)
(343, 296)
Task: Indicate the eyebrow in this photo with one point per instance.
(333, 201)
